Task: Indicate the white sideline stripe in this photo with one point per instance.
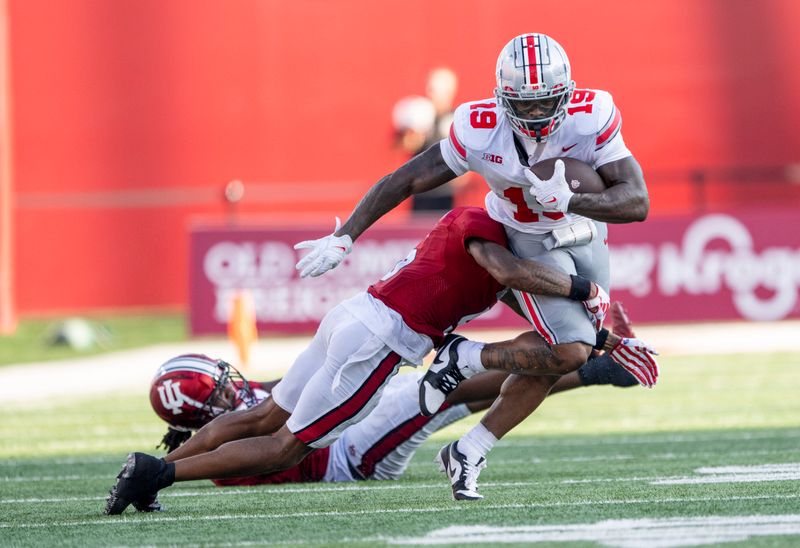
(623, 533)
(59, 461)
(637, 440)
(649, 456)
(787, 467)
(737, 474)
(543, 443)
(277, 490)
(416, 464)
(730, 478)
(461, 509)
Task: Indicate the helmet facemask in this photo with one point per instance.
(244, 393)
(218, 402)
(535, 115)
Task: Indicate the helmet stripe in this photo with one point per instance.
(186, 363)
(533, 64)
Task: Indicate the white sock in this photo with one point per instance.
(476, 443)
(469, 358)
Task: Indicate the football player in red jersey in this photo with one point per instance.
(190, 390)
(536, 114)
(453, 275)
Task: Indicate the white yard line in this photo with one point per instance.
(459, 509)
(657, 533)
(784, 472)
(737, 474)
(414, 464)
(646, 438)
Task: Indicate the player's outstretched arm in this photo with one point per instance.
(624, 201)
(527, 275)
(537, 278)
(421, 173)
(263, 419)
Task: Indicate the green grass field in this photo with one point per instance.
(33, 339)
(712, 455)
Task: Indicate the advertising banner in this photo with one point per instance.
(720, 266)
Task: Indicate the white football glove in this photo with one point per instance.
(554, 193)
(636, 357)
(598, 307)
(326, 253)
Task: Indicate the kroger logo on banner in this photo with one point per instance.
(716, 255)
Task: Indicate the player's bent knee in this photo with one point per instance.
(268, 417)
(292, 450)
(571, 356)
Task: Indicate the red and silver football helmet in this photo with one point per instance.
(534, 85)
(188, 391)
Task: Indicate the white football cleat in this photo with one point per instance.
(462, 473)
(442, 376)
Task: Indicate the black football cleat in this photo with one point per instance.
(138, 484)
(150, 504)
(442, 377)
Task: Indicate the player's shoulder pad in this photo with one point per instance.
(590, 121)
(471, 136)
(471, 213)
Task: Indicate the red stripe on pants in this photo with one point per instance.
(349, 408)
(392, 441)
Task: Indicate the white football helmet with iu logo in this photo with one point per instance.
(190, 390)
(534, 85)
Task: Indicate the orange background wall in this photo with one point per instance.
(129, 116)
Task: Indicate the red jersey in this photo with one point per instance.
(439, 285)
(311, 468)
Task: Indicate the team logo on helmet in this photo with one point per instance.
(173, 399)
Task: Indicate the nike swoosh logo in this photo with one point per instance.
(564, 149)
(551, 200)
(453, 470)
(339, 247)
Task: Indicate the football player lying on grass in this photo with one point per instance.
(458, 271)
(188, 391)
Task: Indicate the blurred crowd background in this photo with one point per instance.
(129, 124)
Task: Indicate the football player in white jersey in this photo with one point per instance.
(537, 113)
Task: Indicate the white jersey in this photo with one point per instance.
(482, 140)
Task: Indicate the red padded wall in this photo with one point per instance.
(129, 116)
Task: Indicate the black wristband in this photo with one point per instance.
(581, 288)
(602, 336)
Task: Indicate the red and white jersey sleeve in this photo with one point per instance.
(482, 140)
(453, 150)
(609, 146)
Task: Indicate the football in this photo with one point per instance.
(580, 176)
